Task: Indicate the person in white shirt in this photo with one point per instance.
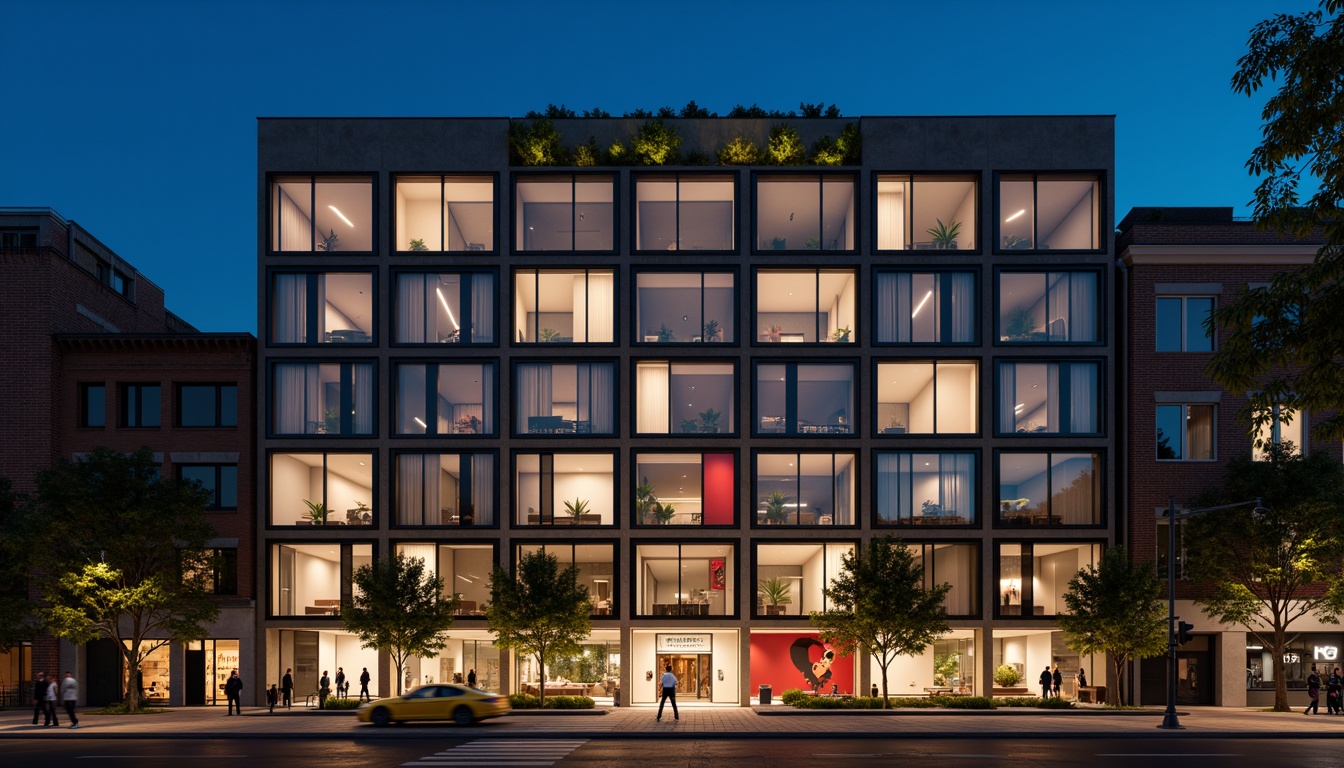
(70, 697)
(669, 694)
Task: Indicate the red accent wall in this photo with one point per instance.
(771, 665)
(718, 489)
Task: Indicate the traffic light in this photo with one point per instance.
(1183, 630)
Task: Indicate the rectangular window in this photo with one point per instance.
(565, 212)
(445, 489)
(465, 569)
(1034, 577)
(693, 580)
(445, 213)
(927, 398)
(207, 405)
(322, 213)
(791, 578)
(804, 399)
(1049, 398)
(954, 564)
(1186, 432)
(564, 306)
(92, 405)
(446, 308)
(1287, 427)
(926, 212)
(1049, 307)
(596, 565)
(685, 398)
(808, 306)
(564, 489)
(140, 405)
(805, 489)
(682, 307)
(1181, 323)
(446, 399)
(16, 239)
(925, 307)
(322, 489)
(323, 399)
(558, 399)
(926, 489)
(805, 212)
(1040, 212)
(685, 489)
(1050, 489)
(312, 579)
(685, 212)
(219, 480)
(224, 576)
(322, 308)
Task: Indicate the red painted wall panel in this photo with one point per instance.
(772, 664)
(719, 490)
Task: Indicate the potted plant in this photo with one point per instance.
(708, 421)
(645, 500)
(1015, 243)
(945, 235)
(776, 508)
(576, 509)
(841, 335)
(776, 594)
(665, 334)
(1006, 676)
(1019, 324)
(548, 335)
(663, 513)
(690, 425)
(330, 242)
(712, 332)
(778, 243)
(772, 333)
(811, 244)
(317, 512)
(418, 245)
(332, 421)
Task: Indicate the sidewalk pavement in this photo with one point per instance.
(698, 722)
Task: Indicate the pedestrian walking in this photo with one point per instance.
(1047, 680)
(39, 696)
(272, 696)
(287, 688)
(49, 696)
(1313, 692)
(1082, 678)
(669, 682)
(364, 686)
(1334, 686)
(70, 697)
(340, 682)
(471, 678)
(233, 691)
(1056, 681)
(323, 690)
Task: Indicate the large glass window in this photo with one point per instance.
(805, 212)
(446, 308)
(564, 489)
(685, 489)
(565, 212)
(564, 306)
(556, 398)
(312, 579)
(926, 489)
(596, 564)
(790, 578)
(684, 398)
(921, 212)
(685, 580)
(140, 405)
(1181, 323)
(465, 569)
(681, 307)
(1049, 398)
(443, 489)
(446, 399)
(207, 405)
(927, 398)
(808, 306)
(219, 480)
(1041, 212)
(1049, 307)
(322, 489)
(322, 308)
(323, 399)
(685, 212)
(1033, 577)
(445, 213)
(1186, 432)
(925, 307)
(1050, 489)
(955, 564)
(322, 213)
(805, 489)
(1287, 426)
(93, 405)
(804, 399)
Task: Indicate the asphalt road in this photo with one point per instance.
(618, 753)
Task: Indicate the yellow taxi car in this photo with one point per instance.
(436, 701)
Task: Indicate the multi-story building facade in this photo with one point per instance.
(1179, 264)
(94, 359)
(702, 385)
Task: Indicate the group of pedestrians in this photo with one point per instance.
(1052, 681)
(1334, 693)
(47, 691)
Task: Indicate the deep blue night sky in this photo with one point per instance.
(137, 119)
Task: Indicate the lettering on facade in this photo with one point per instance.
(1324, 652)
(684, 643)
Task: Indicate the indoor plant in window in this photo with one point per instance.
(317, 512)
(419, 245)
(645, 501)
(776, 508)
(841, 335)
(946, 666)
(329, 242)
(708, 421)
(932, 509)
(778, 243)
(945, 235)
(712, 332)
(776, 594)
(665, 334)
(772, 333)
(1015, 243)
(1019, 324)
(331, 421)
(548, 334)
(576, 509)
(811, 244)
(663, 513)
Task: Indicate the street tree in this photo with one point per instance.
(398, 607)
(879, 605)
(18, 618)
(543, 611)
(119, 552)
(1265, 570)
(1116, 608)
(1286, 340)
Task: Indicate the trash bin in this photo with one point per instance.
(876, 693)
(615, 697)
(765, 695)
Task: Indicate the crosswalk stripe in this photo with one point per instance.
(510, 753)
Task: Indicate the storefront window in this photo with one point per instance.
(685, 580)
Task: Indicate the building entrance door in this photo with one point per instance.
(692, 671)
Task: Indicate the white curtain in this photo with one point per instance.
(600, 312)
(534, 392)
(296, 230)
(891, 217)
(482, 308)
(362, 398)
(963, 306)
(893, 486)
(1053, 418)
(298, 400)
(1083, 307)
(652, 414)
(956, 476)
(596, 391)
(1007, 397)
(1083, 397)
(843, 497)
(412, 326)
(893, 307)
(291, 309)
(418, 489)
(482, 487)
(833, 567)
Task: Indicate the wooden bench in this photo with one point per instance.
(1092, 694)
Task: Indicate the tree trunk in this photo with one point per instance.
(1280, 684)
(1120, 681)
(132, 701)
(541, 683)
(886, 702)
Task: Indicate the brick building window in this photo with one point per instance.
(1185, 432)
(92, 405)
(1287, 427)
(140, 405)
(207, 405)
(224, 575)
(219, 480)
(1180, 323)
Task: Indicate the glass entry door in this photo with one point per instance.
(694, 679)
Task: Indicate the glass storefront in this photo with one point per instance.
(594, 671)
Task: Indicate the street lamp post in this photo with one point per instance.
(1169, 720)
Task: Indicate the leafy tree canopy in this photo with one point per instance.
(18, 619)
(544, 611)
(399, 608)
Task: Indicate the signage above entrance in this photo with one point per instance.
(698, 642)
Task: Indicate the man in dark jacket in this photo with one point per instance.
(364, 686)
(287, 688)
(39, 696)
(1047, 680)
(233, 691)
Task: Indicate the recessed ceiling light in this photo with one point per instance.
(342, 215)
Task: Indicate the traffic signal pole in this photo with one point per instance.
(1169, 720)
